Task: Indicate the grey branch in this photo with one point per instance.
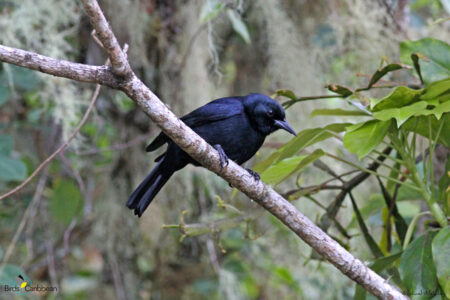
(61, 68)
(119, 61)
(201, 151)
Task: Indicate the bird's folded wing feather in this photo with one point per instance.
(214, 111)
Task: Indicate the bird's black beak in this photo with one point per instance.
(284, 125)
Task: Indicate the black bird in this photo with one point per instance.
(235, 126)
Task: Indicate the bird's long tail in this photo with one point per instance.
(147, 190)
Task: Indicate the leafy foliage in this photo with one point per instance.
(396, 120)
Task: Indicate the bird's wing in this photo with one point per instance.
(214, 111)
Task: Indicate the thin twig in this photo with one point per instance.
(333, 209)
(116, 147)
(60, 149)
(37, 195)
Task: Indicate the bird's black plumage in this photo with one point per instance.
(236, 125)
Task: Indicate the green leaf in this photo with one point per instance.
(65, 201)
(441, 256)
(363, 139)
(310, 137)
(444, 184)
(384, 262)
(417, 268)
(11, 169)
(377, 266)
(438, 111)
(339, 89)
(210, 10)
(382, 72)
(420, 125)
(415, 60)
(281, 170)
(6, 144)
(288, 167)
(436, 89)
(285, 275)
(399, 97)
(434, 55)
(338, 112)
(402, 114)
(303, 139)
(238, 25)
(4, 94)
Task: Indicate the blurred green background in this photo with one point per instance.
(70, 227)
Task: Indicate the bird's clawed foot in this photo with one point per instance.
(254, 174)
(223, 156)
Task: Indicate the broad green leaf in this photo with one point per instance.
(210, 10)
(377, 266)
(438, 111)
(417, 268)
(364, 139)
(276, 173)
(11, 169)
(4, 94)
(339, 89)
(444, 187)
(6, 144)
(263, 165)
(384, 262)
(238, 25)
(409, 209)
(399, 97)
(338, 112)
(420, 125)
(441, 256)
(310, 137)
(434, 57)
(303, 139)
(383, 71)
(288, 167)
(308, 160)
(65, 201)
(436, 89)
(402, 114)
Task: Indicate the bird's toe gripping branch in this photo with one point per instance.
(223, 157)
(254, 174)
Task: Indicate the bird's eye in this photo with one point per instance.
(270, 113)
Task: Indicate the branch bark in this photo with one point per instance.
(121, 77)
(60, 68)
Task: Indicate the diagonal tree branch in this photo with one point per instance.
(195, 146)
(119, 61)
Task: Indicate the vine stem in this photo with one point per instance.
(371, 172)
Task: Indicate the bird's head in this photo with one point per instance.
(266, 114)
